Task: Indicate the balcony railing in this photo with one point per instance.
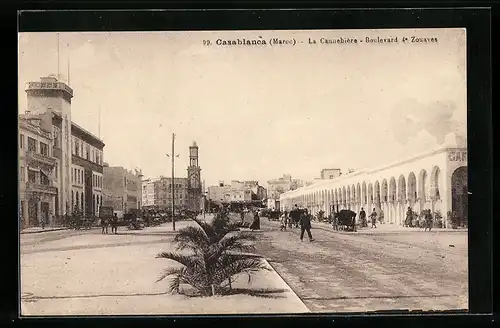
(41, 158)
(40, 188)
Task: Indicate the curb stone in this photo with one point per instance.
(44, 230)
(284, 282)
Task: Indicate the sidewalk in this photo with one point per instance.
(39, 230)
(386, 228)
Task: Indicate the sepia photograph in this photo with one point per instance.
(243, 172)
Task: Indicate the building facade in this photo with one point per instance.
(148, 192)
(78, 153)
(37, 165)
(236, 192)
(330, 174)
(122, 188)
(435, 180)
(188, 192)
(276, 187)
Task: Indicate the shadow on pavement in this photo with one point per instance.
(263, 292)
(29, 297)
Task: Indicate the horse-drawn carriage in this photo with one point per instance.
(345, 220)
(274, 215)
(78, 220)
(133, 220)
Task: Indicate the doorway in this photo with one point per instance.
(44, 208)
(459, 194)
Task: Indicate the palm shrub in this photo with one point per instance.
(438, 219)
(211, 256)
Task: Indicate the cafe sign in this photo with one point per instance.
(457, 156)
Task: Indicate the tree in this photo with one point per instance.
(216, 253)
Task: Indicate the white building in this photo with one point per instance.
(436, 180)
(37, 169)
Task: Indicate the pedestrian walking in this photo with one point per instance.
(294, 215)
(305, 225)
(409, 218)
(104, 225)
(114, 224)
(428, 220)
(362, 218)
(242, 216)
(256, 222)
(284, 219)
(373, 217)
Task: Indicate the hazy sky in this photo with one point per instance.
(257, 112)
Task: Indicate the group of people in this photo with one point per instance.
(256, 219)
(373, 218)
(113, 222)
(297, 217)
(413, 220)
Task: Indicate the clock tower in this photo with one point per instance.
(194, 179)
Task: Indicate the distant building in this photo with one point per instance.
(188, 192)
(236, 192)
(122, 188)
(330, 174)
(276, 187)
(148, 192)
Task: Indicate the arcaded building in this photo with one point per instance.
(435, 180)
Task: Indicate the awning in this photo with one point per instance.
(47, 174)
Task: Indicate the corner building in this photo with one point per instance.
(78, 153)
(435, 180)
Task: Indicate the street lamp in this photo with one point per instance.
(173, 180)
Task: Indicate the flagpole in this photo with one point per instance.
(69, 58)
(58, 56)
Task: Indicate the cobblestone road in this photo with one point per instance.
(351, 272)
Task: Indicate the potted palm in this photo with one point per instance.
(211, 255)
(453, 219)
(438, 219)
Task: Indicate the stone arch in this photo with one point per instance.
(392, 190)
(363, 192)
(72, 201)
(436, 183)
(376, 192)
(384, 191)
(412, 188)
(422, 186)
(370, 193)
(402, 189)
(348, 196)
(353, 194)
(343, 195)
(336, 196)
(77, 200)
(358, 194)
(460, 193)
